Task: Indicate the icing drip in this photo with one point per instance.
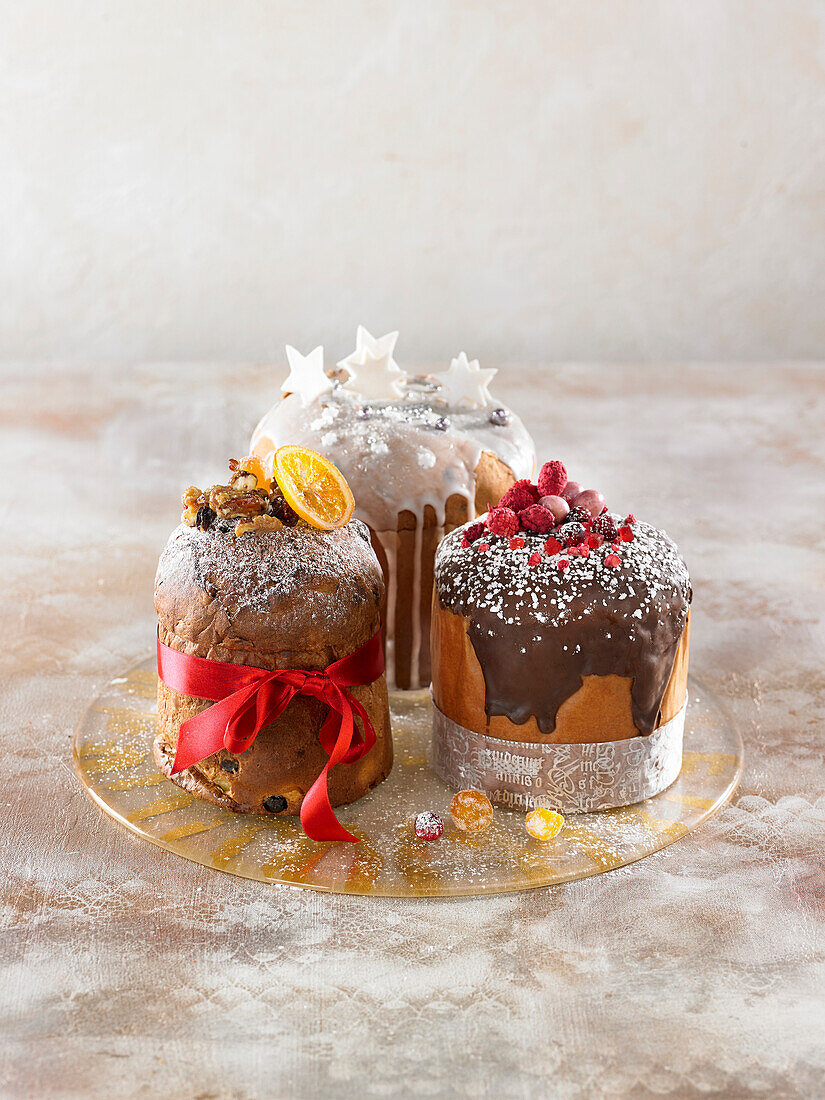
(537, 631)
(399, 456)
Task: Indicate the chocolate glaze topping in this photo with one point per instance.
(537, 631)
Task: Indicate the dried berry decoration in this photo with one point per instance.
(275, 804)
(205, 517)
(607, 527)
(629, 520)
(538, 519)
(520, 496)
(279, 508)
(534, 558)
(474, 531)
(503, 522)
(428, 826)
(553, 546)
(552, 479)
(500, 417)
(613, 560)
(626, 534)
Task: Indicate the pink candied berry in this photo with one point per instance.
(474, 531)
(626, 534)
(520, 496)
(592, 500)
(534, 558)
(464, 544)
(538, 519)
(613, 561)
(428, 826)
(516, 543)
(552, 479)
(571, 490)
(563, 564)
(557, 505)
(552, 546)
(483, 547)
(629, 520)
(503, 521)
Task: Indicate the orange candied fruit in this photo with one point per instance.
(471, 811)
(543, 824)
(253, 465)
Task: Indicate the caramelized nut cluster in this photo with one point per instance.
(250, 498)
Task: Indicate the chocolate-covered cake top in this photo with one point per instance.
(602, 597)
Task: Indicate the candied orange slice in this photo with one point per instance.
(313, 487)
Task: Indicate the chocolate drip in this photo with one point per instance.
(537, 632)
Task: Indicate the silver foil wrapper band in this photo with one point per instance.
(522, 775)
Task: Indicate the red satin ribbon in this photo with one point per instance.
(247, 699)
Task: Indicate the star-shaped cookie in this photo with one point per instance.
(465, 384)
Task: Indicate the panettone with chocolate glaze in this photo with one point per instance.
(275, 596)
(560, 629)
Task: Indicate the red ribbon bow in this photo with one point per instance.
(247, 699)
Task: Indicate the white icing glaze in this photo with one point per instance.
(396, 457)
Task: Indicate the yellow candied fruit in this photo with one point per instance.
(543, 824)
(471, 811)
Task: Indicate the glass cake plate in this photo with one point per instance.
(113, 758)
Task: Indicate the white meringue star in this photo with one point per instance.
(371, 367)
(464, 383)
(307, 377)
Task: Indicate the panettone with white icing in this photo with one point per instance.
(423, 454)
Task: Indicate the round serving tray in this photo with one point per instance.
(113, 757)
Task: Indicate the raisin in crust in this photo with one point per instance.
(292, 598)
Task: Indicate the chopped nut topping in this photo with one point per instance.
(256, 509)
(259, 523)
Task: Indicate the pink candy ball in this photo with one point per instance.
(557, 505)
(572, 490)
(592, 500)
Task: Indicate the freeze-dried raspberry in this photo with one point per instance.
(626, 534)
(629, 520)
(534, 558)
(516, 543)
(613, 560)
(474, 531)
(552, 479)
(536, 518)
(563, 564)
(503, 521)
(520, 496)
(552, 546)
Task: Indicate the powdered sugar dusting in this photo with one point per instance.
(297, 573)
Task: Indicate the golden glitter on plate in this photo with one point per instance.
(113, 758)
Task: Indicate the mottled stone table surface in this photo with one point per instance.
(700, 971)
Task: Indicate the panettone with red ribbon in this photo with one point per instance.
(271, 696)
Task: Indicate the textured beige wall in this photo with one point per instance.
(578, 179)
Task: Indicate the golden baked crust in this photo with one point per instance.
(294, 598)
(599, 711)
